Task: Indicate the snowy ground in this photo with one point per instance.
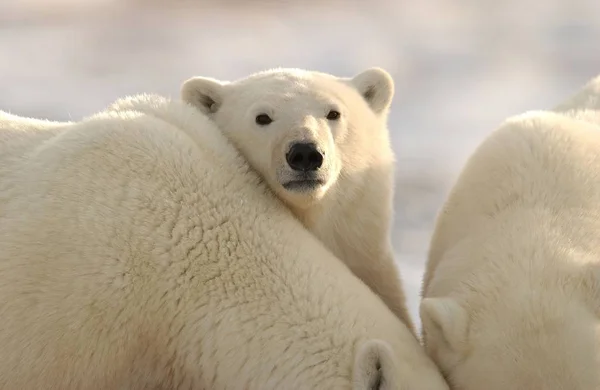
(460, 67)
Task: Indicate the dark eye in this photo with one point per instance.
(333, 115)
(263, 119)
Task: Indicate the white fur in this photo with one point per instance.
(351, 212)
(139, 251)
(511, 294)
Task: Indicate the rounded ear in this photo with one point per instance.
(374, 367)
(376, 86)
(445, 322)
(204, 93)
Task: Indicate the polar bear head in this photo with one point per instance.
(301, 130)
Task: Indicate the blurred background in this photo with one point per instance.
(460, 68)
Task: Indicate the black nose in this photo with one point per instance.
(304, 157)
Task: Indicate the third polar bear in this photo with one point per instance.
(321, 143)
(138, 250)
(511, 296)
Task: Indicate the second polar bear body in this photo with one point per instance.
(511, 294)
(321, 143)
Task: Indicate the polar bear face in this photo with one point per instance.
(299, 129)
(533, 347)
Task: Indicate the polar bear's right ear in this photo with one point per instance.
(374, 367)
(204, 93)
(445, 322)
(376, 86)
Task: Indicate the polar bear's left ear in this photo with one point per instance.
(376, 86)
(445, 321)
(204, 93)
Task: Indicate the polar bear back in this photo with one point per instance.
(539, 160)
(138, 250)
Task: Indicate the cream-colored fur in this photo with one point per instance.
(511, 294)
(138, 250)
(350, 211)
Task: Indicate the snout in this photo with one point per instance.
(305, 169)
(304, 157)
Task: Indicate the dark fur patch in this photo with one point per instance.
(369, 93)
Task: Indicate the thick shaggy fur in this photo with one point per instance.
(138, 250)
(512, 288)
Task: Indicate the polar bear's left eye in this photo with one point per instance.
(333, 115)
(263, 119)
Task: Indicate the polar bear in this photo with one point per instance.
(139, 250)
(321, 143)
(511, 293)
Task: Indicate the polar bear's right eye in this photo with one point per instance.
(333, 115)
(263, 119)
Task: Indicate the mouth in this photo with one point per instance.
(303, 185)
